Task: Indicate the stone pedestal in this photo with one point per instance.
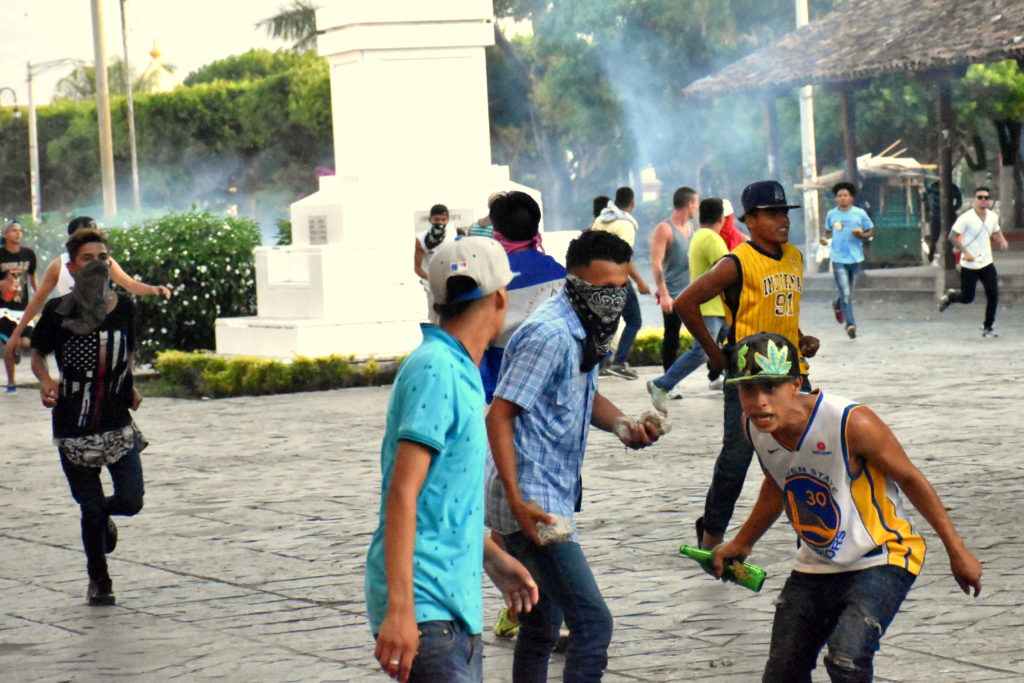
(409, 108)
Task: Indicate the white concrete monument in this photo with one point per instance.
(409, 107)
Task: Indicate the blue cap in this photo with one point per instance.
(764, 194)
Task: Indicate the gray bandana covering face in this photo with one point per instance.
(599, 309)
(85, 308)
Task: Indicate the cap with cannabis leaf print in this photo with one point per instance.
(764, 357)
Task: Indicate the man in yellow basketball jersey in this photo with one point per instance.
(760, 282)
(841, 476)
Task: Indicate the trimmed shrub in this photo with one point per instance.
(647, 346)
(206, 374)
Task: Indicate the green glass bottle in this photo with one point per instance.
(746, 575)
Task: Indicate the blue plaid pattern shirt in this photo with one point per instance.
(540, 373)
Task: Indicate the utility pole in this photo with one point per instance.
(103, 113)
(33, 149)
(808, 152)
(131, 112)
(33, 137)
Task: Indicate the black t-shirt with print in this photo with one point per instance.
(95, 374)
(21, 265)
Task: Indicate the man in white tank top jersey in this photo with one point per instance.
(837, 471)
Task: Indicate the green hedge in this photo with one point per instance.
(647, 346)
(207, 374)
(262, 135)
(203, 373)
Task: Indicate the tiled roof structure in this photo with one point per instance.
(868, 38)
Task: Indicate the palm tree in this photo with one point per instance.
(296, 22)
(80, 84)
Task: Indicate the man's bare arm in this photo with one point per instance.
(871, 439)
(687, 305)
(500, 429)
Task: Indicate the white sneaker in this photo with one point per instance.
(658, 396)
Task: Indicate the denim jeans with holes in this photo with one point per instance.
(848, 611)
(845, 274)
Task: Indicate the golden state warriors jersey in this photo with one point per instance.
(843, 522)
(767, 296)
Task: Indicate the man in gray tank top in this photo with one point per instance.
(670, 243)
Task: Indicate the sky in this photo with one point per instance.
(189, 33)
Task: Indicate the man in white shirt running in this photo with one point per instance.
(972, 235)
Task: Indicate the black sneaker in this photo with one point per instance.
(100, 593)
(838, 311)
(111, 539)
(989, 332)
(945, 301)
(852, 331)
(622, 370)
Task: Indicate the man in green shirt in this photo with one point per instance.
(706, 248)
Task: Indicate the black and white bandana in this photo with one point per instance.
(434, 236)
(599, 309)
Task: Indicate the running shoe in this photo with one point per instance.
(838, 311)
(505, 627)
(622, 370)
(658, 396)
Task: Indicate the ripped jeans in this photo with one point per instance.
(848, 611)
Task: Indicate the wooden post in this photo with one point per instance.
(771, 119)
(944, 117)
(848, 119)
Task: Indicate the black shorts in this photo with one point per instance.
(7, 326)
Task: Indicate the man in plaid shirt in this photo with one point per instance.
(544, 403)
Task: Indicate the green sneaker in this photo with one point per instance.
(505, 627)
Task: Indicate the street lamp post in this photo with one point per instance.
(33, 140)
(14, 96)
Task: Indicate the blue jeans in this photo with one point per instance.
(631, 314)
(447, 654)
(731, 465)
(692, 359)
(845, 274)
(567, 591)
(87, 490)
(848, 611)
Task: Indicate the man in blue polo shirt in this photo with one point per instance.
(538, 423)
(423, 592)
(848, 226)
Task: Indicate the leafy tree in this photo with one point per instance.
(296, 21)
(80, 83)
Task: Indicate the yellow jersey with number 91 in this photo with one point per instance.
(766, 297)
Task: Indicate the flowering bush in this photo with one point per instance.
(207, 262)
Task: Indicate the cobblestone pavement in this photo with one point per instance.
(247, 562)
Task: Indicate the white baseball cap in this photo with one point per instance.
(480, 258)
(727, 207)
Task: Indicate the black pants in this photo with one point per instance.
(670, 342)
(989, 278)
